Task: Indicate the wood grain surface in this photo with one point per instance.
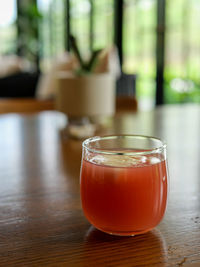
(41, 221)
(24, 105)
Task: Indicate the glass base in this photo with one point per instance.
(124, 233)
(79, 128)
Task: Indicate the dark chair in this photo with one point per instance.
(19, 85)
(126, 93)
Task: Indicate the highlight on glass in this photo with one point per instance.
(124, 183)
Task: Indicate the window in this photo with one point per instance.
(92, 19)
(182, 56)
(51, 30)
(92, 23)
(103, 23)
(8, 31)
(139, 43)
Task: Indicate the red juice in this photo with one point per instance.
(126, 197)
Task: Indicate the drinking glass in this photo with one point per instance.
(124, 183)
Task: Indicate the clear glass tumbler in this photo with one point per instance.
(124, 183)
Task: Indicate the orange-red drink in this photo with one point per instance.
(124, 194)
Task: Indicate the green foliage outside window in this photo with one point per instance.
(182, 40)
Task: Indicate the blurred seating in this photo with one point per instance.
(18, 85)
(17, 77)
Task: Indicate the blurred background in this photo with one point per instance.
(158, 43)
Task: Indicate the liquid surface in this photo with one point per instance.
(124, 194)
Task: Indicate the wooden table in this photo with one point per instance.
(41, 221)
(24, 105)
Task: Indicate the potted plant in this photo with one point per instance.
(83, 93)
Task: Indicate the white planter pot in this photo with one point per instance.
(88, 95)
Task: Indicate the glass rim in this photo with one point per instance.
(133, 153)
